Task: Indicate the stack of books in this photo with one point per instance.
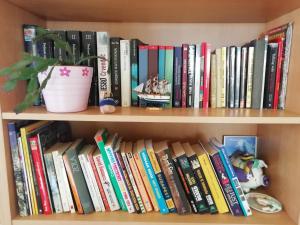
(254, 75)
(56, 175)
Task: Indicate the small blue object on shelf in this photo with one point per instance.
(107, 105)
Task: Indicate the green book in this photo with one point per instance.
(101, 138)
(169, 71)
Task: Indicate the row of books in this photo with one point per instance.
(56, 175)
(252, 76)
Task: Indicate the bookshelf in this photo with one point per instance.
(151, 21)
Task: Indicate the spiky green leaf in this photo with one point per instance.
(10, 85)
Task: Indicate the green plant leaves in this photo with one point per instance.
(10, 85)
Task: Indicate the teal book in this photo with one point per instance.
(134, 69)
(163, 208)
(161, 62)
(143, 68)
(169, 70)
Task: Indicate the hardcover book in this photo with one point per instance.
(185, 51)
(243, 86)
(197, 76)
(177, 77)
(143, 68)
(206, 54)
(213, 91)
(73, 38)
(125, 73)
(152, 61)
(237, 84)
(250, 66)
(169, 70)
(191, 75)
(232, 75)
(58, 52)
(161, 62)
(134, 69)
(115, 69)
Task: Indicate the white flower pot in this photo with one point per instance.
(68, 88)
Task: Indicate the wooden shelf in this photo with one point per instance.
(116, 218)
(131, 114)
(188, 11)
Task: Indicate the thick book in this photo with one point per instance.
(221, 77)
(177, 77)
(232, 176)
(73, 38)
(189, 176)
(211, 178)
(103, 63)
(164, 157)
(197, 77)
(206, 54)
(115, 69)
(232, 72)
(191, 75)
(243, 85)
(185, 51)
(259, 72)
(152, 61)
(45, 48)
(169, 71)
(161, 62)
(143, 68)
(89, 48)
(101, 139)
(269, 89)
(76, 176)
(250, 67)
(60, 53)
(134, 69)
(237, 83)
(160, 176)
(125, 73)
(199, 175)
(213, 81)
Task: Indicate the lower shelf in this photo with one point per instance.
(114, 218)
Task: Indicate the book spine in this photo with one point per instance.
(45, 48)
(219, 77)
(106, 183)
(227, 79)
(169, 71)
(143, 68)
(213, 89)
(139, 182)
(207, 74)
(213, 183)
(237, 78)
(278, 74)
(221, 61)
(243, 86)
(41, 179)
(232, 73)
(152, 62)
(125, 73)
(192, 183)
(115, 70)
(177, 77)
(60, 53)
(191, 75)
(203, 183)
(161, 62)
(249, 77)
(134, 50)
(89, 48)
(172, 178)
(127, 182)
(197, 77)
(133, 183)
(53, 183)
(103, 62)
(17, 169)
(73, 38)
(226, 186)
(185, 49)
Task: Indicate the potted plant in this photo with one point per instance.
(65, 84)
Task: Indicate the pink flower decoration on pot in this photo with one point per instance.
(64, 72)
(85, 72)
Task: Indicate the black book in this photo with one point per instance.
(73, 38)
(232, 56)
(270, 75)
(89, 48)
(191, 76)
(243, 85)
(115, 69)
(45, 48)
(177, 77)
(60, 53)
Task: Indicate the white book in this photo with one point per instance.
(213, 77)
(125, 73)
(219, 78)
(62, 179)
(224, 77)
(197, 76)
(104, 77)
(250, 77)
(106, 182)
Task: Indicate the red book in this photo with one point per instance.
(102, 193)
(40, 175)
(278, 72)
(206, 52)
(185, 51)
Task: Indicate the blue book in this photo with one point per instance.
(163, 208)
(232, 177)
(161, 62)
(134, 69)
(177, 77)
(143, 67)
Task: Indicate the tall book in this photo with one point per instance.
(76, 178)
(250, 67)
(185, 51)
(103, 62)
(221, 77)
(227, 63)
(101, 139)
(177, 77)
(213, 81)
(125, 73)
(45, 48)
(191, 75)
(232, 74)
(197, 76)
(237, 84)
(169, 71)
(199, 175)
(152, 61)
(134, 69)
(115, 69)
(89, 48)
(178, 194)
(60, 53)
(165, 189)
(161, 62)
(259, 72)
(243, 85)
(190, 177)
(211, 178)
(143, 67)
(73, 38)
(269, 89)
(206, 54)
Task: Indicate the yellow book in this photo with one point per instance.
(145, 179)
(24, 131)
(211, 178)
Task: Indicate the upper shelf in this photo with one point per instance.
(177, 11)
(175, 115)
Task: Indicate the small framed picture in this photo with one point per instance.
(241, 144)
